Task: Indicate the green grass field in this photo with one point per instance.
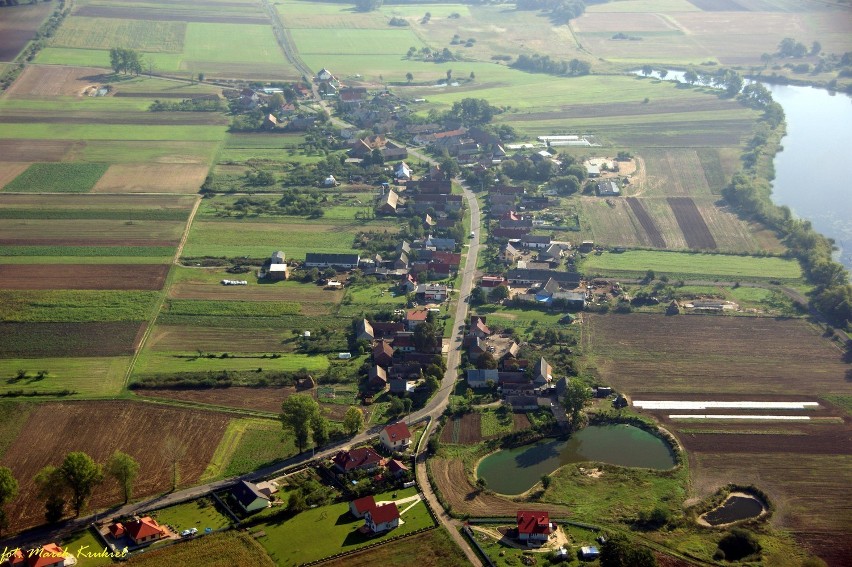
(106, 33)
(171, 362)
(495, 422)
(84, 542)
(293, 541)
(248, 444)
(232, 308)
(523, 321)
(136, 132)
(76, 305)
(363, 42)
(198, 514)
(90, 377)
(692, 266)
(58, 178)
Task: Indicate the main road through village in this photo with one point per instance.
(429, 413)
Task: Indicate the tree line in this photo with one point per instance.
(125, 60)
(544, 64)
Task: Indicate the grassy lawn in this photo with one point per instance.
(170, 362)
(248, 444)
(90, 377)
(434, 548)
(199, 514)
(85, 542)
(294, 541)
(76, 305)
(635, 263)
(495, 422)
(523, 321)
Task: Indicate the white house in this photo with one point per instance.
(396, 437)
(382, 518)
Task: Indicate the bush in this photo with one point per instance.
(739, 544)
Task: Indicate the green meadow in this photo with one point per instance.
(164, 362)
(58, 178)
(76, 305)
(93, 377)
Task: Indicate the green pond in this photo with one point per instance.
(513, 471)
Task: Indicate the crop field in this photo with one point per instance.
(90, 232)
(83, 276)
(652, 233)
(455, 486)
(125, 111)
(362, 42)
(22, 150)
(37, 340)
(432, 549)
(160, 151)
(170, 338)
(98, 376)
(99, 428)
(684, 265)
(692, 224)
(171, 362)
(464, 431)
(75, 306)
(152, 178)
(678, 172)
(248, 444)
(18, 26)
(106, 33)
(704, 354)
(260, 239)
(11, 170)
(57, 178)
(153, 207)
(235, 12)
(229, 548)
(110, 132)
(260, 399)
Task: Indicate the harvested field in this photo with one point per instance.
(654, 236)
(41, 150)
(10, 170)
(127, 118)
(465, 430)
(168, 15)
(99, 428)
(312, 299)
(681, 172)
(47, 340)
(152, 178)
(97, 204)
(692, 224)
(82, 276)
(806, 489)
(18, 25)
(698, 354)
(174, 338)
(453, 484)
(54, 80)
(611, 225)
(261, 399)
(95, 232)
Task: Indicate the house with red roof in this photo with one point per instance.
(48, 555)
(144, 530)
(382, 518)
(396, 468)
(404, 342)
(360, 507)
(534, 526)
(383, 353)
(361, 458)
(396, 437)
(415, 317)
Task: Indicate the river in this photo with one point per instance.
(809, 176)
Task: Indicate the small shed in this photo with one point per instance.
(589, 552)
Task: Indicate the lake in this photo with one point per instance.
(808, 174)
(513, 471)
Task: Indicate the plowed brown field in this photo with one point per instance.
(464, 498)
(692, 224)
(55, 80)
(99, 428)
(83, 276)
(36, 340)
(152, 178)
(654, 236)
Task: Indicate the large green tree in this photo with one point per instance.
(353, 421)
(576, 396)
(51, 488)
(618, 551)
(81, 475)
(298, 413)
(8, 491)
(123, 468)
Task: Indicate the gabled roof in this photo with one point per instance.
(397, 431)
(364, 327)
(356, 458)
(551, 286)
(383, 514)
(417, 315)
(482, 327)
(382, 348)
(536, 239)
(142, 528)
(530, 522)
(395, 466)
(364, 504)
(543, 368)
(49, 554)
(246, 492)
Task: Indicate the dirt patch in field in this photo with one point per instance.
(521, 420)
(464, 430)
(654, 236)
(55, 80)
(453, 484)
(692, 224)
(164, 15)
(37, 150)
(81, 242)
(18, 25)
(37, 340)
(83, 276)
(10, 170)
(99, 428)
(152, 178)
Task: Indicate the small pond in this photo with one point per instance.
(738, 506)
(513, 471)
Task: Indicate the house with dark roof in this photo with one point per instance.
(404, 342)
(477, 378)
(383, 353)
(362, 458)
(542, 373)
(364, 331)
(534, 526)
(346, 261)
(377, 378)
(432, 292)
(387, 329)
(440, 186)
(388, 204)
(535, 241)
(249, 498)
(478, 328)
(361, 506)
(396, 437)
(521, 402)
(397, 468)
(382, 518)
(530, 276)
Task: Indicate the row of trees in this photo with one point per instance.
(544, 64)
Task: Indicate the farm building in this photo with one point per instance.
(360, 507)
(346, 261)
(249, 498)
(397, 468)
(430, 292)
(396, 437)
(377, 378)
(480, 378)
(144, 530)
(478, 328)
(534, 526)
(608, 189)
(542, 373)
(536, 241)
(589, 553)
(388, 204)
(364, 331)
(362, 458)
(521, 402)
(278, 272)
(382, 518)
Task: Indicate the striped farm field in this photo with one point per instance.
(89, 232)
(145, 132)
(75, 305)
(57, 178)
(106, 207)
(58, 340)
(162, 362)
(83, 276)
(18, 26)
(99, 376)
(186, 338)
(692, 266)
(106, 33)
